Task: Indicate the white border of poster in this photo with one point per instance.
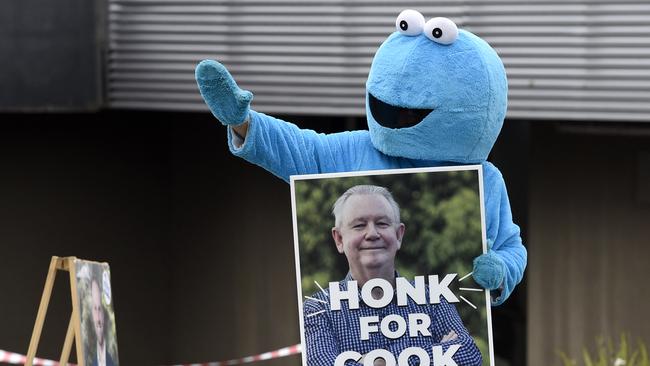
(484, 304)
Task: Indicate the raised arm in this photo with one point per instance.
(278, 146)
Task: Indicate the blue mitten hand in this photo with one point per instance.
(489, 270)
(227, 102)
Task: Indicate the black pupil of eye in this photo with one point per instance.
(437, 32)
(404, 25)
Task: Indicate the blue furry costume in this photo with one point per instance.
(435, 96)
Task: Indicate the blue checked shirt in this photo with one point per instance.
(331, 332)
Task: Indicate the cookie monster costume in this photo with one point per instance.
(435, 96)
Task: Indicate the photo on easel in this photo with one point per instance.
(383, 265)
(97, 318)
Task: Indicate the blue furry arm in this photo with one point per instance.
(504, 240)
(284, 149)
(280, 147)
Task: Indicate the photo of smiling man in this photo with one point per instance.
(379, 312)
(97, 318)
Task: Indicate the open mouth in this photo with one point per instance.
(395, 117)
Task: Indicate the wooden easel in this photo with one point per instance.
(74, 327)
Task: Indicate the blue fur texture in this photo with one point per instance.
(464, 83)
(489, 270)
(225, 99)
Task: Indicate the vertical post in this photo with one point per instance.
(42, 310)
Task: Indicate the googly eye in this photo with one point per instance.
(409, 22)
(441, 30)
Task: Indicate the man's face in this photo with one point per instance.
(98, 313)
(368, 234)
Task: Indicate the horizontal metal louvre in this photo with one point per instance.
(582, 60)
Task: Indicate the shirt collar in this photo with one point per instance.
(348, 277)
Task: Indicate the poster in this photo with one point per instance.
(383, 266)
(97, 319)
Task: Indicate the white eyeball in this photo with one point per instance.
(441, 30)
(410, 22)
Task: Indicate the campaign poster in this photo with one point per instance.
(383, 264)
(97, 318)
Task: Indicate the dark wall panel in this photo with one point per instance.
(588, 250)
(96, 188)
(51, 55)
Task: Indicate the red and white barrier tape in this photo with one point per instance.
(282, 352)
(18, 359)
